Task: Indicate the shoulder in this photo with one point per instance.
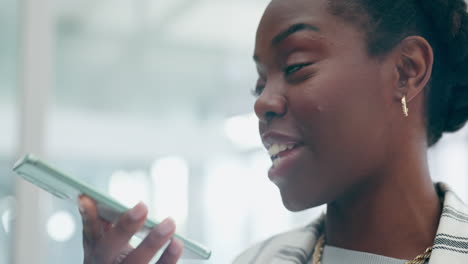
(450, 244)
(454, 217)
(297, 243)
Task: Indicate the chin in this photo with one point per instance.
(294, 202)
(293, 207)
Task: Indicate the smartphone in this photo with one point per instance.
(68, 188)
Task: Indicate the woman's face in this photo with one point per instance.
(323, 96)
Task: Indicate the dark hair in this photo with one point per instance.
(444, 24)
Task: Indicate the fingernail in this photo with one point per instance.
(138, 212)
(81, 207)
(165, 227)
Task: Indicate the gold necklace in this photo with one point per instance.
(318, 251)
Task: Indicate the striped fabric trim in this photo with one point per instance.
(439, 247)
(444, 240)
(454, 214)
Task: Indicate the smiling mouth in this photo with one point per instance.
(276, 151)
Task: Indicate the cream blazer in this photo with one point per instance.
(296, 246)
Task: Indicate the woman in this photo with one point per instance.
(350, 96)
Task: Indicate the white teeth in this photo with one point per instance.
(276, 162)
(273, 150)
(276, 148)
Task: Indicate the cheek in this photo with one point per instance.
(337, 103)
(339, 116)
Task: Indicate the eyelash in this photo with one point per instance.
(257, 91)
(294, 68)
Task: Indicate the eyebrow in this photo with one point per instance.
(292, 30)
(288, 32)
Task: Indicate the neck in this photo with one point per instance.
(395, 214)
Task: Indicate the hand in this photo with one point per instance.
(106, 243)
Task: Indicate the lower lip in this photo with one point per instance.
(285, 164)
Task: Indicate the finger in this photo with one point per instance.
(106, 226)
(92, 225)
(152, 243)
(172, 253)
(128, 224)
(123, 254)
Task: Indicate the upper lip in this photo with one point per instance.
(274, 137)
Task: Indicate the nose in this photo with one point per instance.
(270, 105)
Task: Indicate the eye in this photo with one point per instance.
(295, 68)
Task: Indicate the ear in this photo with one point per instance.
(414, 67)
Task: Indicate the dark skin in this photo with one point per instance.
(108, 243)
(359, 153)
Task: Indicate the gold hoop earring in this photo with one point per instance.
(403, 104)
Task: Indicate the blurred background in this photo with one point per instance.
(148, 101)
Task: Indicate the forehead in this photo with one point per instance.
(287, 9)
(281, 13)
